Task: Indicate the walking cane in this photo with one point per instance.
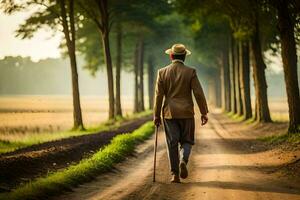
(155, 147)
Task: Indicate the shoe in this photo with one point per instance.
(183, 170)
(175, 179)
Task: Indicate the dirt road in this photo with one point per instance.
(222, 166)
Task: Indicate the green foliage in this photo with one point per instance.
(137, 18)
(283, 138)
(89, 45)
(58, 182)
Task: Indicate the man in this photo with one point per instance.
(175, 84)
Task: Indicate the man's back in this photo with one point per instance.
(176, 82)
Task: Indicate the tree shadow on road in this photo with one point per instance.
(246, 186)
(232, 146)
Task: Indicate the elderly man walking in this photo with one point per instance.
(173, 99)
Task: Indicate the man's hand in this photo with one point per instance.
(157, 121)
(204, 120)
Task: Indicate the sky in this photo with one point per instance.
(43, 45)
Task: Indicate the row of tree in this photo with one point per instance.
(91, 28)
(233, 35)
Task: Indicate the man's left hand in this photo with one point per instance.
(204, 120)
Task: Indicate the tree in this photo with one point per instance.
(141, 52)
(212, 33)
(119, 37)
(54, 14)
(144, 15)
(69, 32)
(246, 18)
(287, 11)
(232, 75)
(98, 12)
(262, 112)
(237, 66)
(151, 80)
(136, 78)
(245, 79)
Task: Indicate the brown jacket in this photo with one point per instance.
(175, 84)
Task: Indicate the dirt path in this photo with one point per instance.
(28, 163)
(222, 166)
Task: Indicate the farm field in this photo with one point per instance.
(36, 119)
(21, 115)
(27, 120)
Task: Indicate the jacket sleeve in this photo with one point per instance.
(199, 94)
(159, 95)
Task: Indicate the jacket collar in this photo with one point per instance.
(177, 61)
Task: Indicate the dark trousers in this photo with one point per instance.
(179, 131)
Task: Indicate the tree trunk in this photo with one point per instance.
(218, 89)
(260, 84)
(136, 80)
(222, 79)
(245, 80)
(104, 28)
(141, 75)
(118, 70)
(77, 115)
(226, 83)
(239, 106)
(232, 75)
(151, 80)
(289, 59)
(109, 70)
(212, 97)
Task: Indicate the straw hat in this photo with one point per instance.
(178, 49)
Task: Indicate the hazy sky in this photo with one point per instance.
(42, 45)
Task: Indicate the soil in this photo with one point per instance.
(25, 164)
(227, 162)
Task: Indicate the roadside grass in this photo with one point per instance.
(7, 146)
(279, 139)
(275, 116)
(102, 161)
(250, 121)
(29, 139)
(239, 118)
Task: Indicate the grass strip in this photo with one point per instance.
(102, 161)
(279, 139)
(239, 118)
(30, 139)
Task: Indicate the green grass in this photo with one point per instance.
(229, 114)
(279, 139)
(235, 117)
(7, 146)
(250, 121)
(102, 161)
(30, 139)
(276, 117)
